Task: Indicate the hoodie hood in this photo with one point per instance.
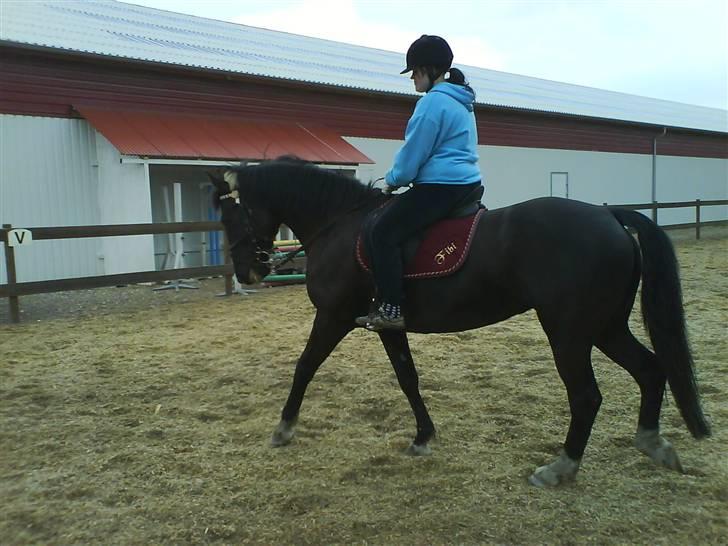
(441, 140)
(458, 92)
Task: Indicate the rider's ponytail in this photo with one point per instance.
(457, 77)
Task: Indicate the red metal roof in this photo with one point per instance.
(157, 134)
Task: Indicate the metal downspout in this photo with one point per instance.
(654, 173)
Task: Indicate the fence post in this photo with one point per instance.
(697, 218)
(654, 211)
(227, 260)
(12, 278)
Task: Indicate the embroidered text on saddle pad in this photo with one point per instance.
(443, 249)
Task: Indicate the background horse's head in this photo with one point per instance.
(249, 230)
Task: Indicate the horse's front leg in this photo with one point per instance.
(397, 347)
(326, 334)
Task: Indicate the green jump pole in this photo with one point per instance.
(285, 278)
(301, 254)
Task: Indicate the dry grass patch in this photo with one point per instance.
(152, 427)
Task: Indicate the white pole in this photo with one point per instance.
(179, 257)
(178, 241)
(170, 236)
(203, 210)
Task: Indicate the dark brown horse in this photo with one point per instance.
(572, 262)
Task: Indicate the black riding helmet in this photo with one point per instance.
(429, 50)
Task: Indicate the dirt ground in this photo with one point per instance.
(136, 417)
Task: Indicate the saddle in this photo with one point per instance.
(439, 250)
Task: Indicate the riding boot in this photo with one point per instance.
(386, 317)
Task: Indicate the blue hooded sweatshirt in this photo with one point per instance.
(440, 143)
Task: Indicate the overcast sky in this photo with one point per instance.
(669, 49)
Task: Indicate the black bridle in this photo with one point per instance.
(262, 247)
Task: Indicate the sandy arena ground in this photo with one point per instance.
(133, 417)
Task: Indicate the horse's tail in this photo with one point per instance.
(662, 311)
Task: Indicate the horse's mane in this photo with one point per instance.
(290, 182)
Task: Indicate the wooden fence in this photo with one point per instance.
(13, 289)
(698, 204)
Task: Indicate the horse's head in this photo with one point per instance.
(250, 230)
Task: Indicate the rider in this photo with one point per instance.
(439, 159)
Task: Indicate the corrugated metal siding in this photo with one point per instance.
(48, 178)
(118, 30)
(541, 131)
(687, 179)
(123, 198)
(40, 85)
(513, 174)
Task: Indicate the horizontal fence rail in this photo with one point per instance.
(80, 283)
(673, 205)
(654, 207)
(115, 230)
(13, 289)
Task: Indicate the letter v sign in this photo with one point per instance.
(19, 237)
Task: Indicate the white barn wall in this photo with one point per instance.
(516, 174)
(380, 151)
(123, 199)
(690, 178)
(48, 177)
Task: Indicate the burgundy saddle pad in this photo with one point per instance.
(441, 251)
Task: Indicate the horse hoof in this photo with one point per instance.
(669, 459)
(282, 435)
(658, 449)
(418, 450)
(562, 470)
(543, 477)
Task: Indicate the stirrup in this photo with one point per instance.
(379, 322)
(364, 321)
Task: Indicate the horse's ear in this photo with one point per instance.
(231, 178)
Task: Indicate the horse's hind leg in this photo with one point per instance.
(397, 347)
(326, 334)
(622, 347)
(573, 361)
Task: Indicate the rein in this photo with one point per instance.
(292, 253)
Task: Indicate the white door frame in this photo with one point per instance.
(566, 184)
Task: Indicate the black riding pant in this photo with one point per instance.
(407, 214)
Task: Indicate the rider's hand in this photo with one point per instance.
(388, 190)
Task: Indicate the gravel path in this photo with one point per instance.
(104, 301)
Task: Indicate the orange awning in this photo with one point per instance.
(164, 135)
